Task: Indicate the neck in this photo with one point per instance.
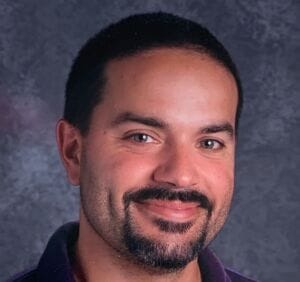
(97, 261)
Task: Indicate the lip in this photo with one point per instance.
(175, 211)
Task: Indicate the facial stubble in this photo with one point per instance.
(128, 239)
(161, 255)
(154, 253)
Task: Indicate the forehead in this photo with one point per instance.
(164, 81)
(166, 63)
(166, 56)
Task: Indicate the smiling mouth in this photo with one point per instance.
(174, 211)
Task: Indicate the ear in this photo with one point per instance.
(69, 141)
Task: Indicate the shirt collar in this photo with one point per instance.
(212, 270)
(56, 262)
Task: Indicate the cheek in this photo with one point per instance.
(115, 169)
(130, 171)
(124, 173)
(221, 180)
(221, 191)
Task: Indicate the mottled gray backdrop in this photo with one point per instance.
(39, 39)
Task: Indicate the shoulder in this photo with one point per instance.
(25, 276)
(236, 277)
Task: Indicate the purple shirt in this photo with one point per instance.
(56, 262)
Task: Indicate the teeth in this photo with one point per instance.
(177, 205)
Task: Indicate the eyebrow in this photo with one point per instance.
(132, 117)
(225, 127)
(158, 123)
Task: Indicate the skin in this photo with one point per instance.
(191, 145)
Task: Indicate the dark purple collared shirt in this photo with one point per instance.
(55, 264)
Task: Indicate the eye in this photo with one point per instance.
(211, 144)
(141, 138)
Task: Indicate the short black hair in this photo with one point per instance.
(130, 36)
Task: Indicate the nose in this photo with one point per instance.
(177, 167)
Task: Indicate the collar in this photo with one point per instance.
(212, 270)
(56, 261)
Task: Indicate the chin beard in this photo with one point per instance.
(159, 256)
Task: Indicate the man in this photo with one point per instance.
(149, 134)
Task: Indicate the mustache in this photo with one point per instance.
(169, 194)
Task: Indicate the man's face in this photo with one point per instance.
(157, 166)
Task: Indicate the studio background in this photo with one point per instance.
(38, 41)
